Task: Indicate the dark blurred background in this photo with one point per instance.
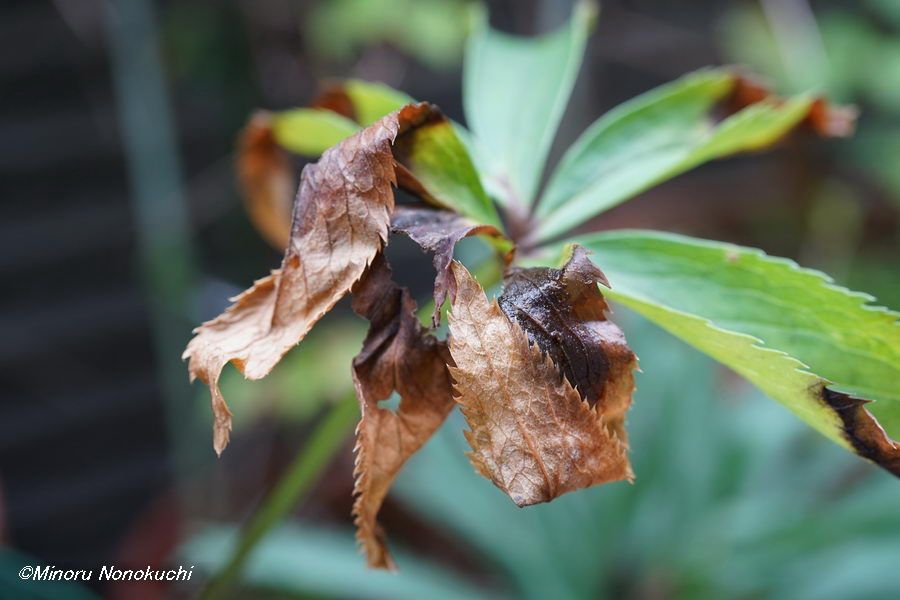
(123, 228)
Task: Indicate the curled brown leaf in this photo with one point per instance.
(530, 431)
(437, 231)
(340, 222)
(264, 173)
(264, 168)
(397, 355)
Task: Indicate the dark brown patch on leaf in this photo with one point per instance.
(398, 354)
(437, 231)
(863, 431)
(563, 311)
(531, 433)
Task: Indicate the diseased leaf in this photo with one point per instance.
(437, 231)
(564, 313)
(398, 354)
(802, 340)
(340, 222)
(822, 118)
(515, 91)
(530, 431)
(865, 434)
(668, 131)
(264, 169)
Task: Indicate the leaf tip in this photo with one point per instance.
(862, 430)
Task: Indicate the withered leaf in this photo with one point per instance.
(563, 311)
(264, 168)
(264, 173)
(266, 181)
(437, 231)
(397, 355)
(530, 431)
(824, 118)
(340, 222)
(333, 96)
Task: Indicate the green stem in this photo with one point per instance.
(326, 440)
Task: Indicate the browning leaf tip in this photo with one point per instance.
(862, 430)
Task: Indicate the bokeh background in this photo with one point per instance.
(122, 228)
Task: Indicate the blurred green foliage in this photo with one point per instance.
(314, 374)
(851, 52)
(431, 30)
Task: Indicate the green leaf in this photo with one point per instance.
(442, 164)
(310, 131)
(655, 137)
(371, 101)
(788, 330)
(515, 91)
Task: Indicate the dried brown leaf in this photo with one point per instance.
(437, 231)
(340, 222)
(564, 313)
(264, 168)
(264, 173)
(397, 355)
(530, 431)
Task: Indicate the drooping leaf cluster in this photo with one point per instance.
(542, 376)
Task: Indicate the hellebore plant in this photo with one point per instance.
(542, 376)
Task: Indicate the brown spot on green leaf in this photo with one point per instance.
(862, 429)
